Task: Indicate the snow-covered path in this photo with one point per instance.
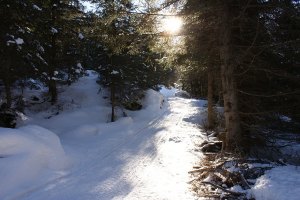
(149, 161)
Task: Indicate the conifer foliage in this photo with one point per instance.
(250, 47)
(54, 41)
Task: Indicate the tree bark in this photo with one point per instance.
(6, 78)
(8, 93)
(53, 91)
(51, 68)
(229, 86)
(210, 111)
(112, 97)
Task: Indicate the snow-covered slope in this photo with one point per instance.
(76, 154)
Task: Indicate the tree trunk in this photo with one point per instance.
(229, 86)
(210, 111)
(8, 94)
(53, 91)
(6, 77)
(112, 97)
(52, 66)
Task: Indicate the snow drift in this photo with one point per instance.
(25, 154)
(278, 183)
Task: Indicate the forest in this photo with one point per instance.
(241, 56)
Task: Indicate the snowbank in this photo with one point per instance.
(278, 184)
(27, 153)
(168, 92)
(80, 103)
(153, 104)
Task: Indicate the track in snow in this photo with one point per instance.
(150, 164)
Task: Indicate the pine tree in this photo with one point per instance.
(58, 42)
(129, 65)
(15, 37)
(239, 40)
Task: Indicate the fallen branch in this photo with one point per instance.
(244, 181)
(195, 171)
(208, 169)
(196, 167)
(211, 196)
(223, 189)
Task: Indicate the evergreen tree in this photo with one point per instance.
(237, 36)
(129, 65)
(15, 37)
(58, 41)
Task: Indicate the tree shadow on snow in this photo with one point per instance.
(113, 174)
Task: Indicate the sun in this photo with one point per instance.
(172, 25)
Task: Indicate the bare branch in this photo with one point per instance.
(221, 188)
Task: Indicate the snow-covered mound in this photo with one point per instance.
(168, 92)
(153, 103)
(25, 154)
(80, 103)
(278, 184)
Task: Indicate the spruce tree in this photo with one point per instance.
(15, 38)
(58, 41)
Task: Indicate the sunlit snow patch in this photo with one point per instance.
(278, 183)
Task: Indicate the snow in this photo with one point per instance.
(26, 153)
(168, 92)
(19, 41)
(10, 42)
(89, 7)
(237, 188)
(80, 35)
(285, 118)
(77, 154)
(41, 49)
(37, 8)
(233, 169)
(72, 151)
(79, 65)
(114, 72)
(278, 183)
(54, 30)
(41, 58)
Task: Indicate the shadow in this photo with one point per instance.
(199, 114)
(110, 163)
(199, 103)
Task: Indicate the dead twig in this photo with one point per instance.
(222, 188)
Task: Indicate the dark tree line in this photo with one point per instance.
(245, 56)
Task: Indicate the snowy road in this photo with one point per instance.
(145, 161)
